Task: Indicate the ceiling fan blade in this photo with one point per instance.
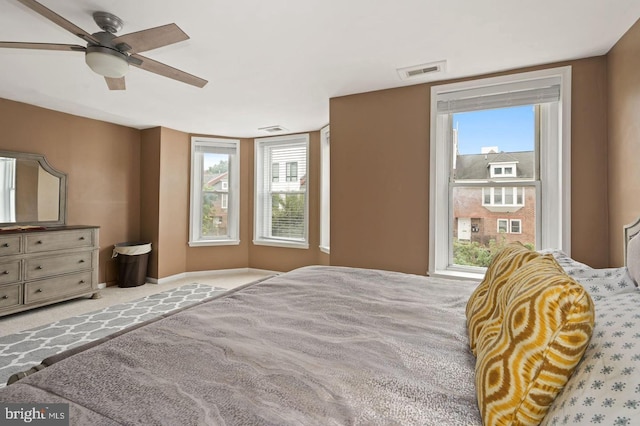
(152, 38)
(57, 19)
(115, 83)
(42, 46)
(167, 71)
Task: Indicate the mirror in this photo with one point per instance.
(31, 191)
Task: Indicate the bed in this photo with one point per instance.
(325, 345)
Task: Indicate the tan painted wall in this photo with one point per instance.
(380, 179)
(101, 161)
(380, 173)
(624, 138)
(150, 148)
(174, 195)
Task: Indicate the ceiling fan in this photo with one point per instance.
(110, 55)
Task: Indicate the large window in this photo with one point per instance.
(500, 148)
(325, 187)
(215, 191)
(281, 208)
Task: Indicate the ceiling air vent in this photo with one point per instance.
(273, 129)
(423, 71)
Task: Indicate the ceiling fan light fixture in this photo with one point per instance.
(106, 62)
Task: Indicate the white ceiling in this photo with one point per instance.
(278, 62)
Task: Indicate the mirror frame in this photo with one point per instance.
(62, 195)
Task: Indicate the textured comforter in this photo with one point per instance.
(315, 346)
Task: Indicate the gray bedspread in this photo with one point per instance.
(315, 346)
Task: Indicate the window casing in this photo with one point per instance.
(552, 93)
(325, 188)
(281, 208)
(215, 192)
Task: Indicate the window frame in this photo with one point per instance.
(233, 194)
(325, 189)
(553, 218)
(263, 177)
(506, 226)
(519, 222)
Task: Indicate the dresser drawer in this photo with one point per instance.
(10, 295)
(66, 285)
(59, 240)
(10, 245)
(41, 267)
(10, 272)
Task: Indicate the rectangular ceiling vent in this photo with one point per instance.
(422, 71)
(273, 129)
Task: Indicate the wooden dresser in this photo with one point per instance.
(40, 267)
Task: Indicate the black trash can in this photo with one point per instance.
(133, 258)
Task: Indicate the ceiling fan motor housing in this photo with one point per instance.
(108, 22)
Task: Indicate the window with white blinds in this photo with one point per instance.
(281, 205)
(215, 192)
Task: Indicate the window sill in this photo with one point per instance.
(454, 274)
(325, 249)
(279, 243)
(214, 243)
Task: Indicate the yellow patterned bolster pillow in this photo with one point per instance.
(482, 303)
(532, 344)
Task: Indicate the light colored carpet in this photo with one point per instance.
(24, 349)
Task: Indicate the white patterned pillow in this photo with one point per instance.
(569, 265)
(605, 282)
(605, 387)
(633, 258)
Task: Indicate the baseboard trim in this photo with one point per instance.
(195, 274)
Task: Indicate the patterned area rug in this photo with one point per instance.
(21, 351)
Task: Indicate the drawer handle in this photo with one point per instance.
(81, 261)
(81, 282)
(39, 242)
(81, 238)
(6, 272)
(39, 290)
(5, 245)
(38, 267)
(5, 297)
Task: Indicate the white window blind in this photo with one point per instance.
(538, 92)
(281, 206)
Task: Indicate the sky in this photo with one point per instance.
(510, 129)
